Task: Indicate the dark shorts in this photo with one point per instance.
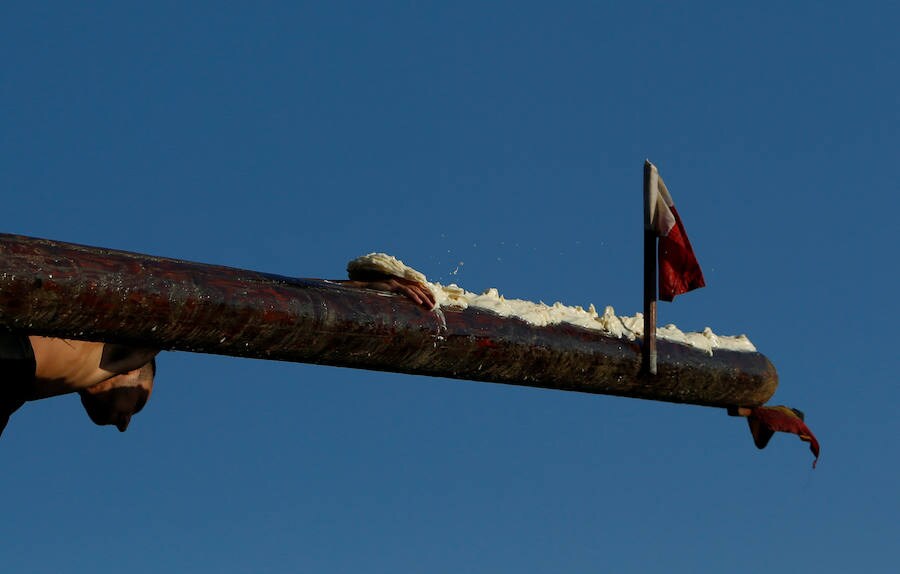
(16, 365)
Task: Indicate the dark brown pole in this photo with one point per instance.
(65, 290)
(648, 351)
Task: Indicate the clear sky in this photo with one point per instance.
(494, 145)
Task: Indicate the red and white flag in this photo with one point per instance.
(679, 271)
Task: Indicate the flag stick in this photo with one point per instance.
(648, 350)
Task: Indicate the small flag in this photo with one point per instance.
(679, 271)
(765, 421)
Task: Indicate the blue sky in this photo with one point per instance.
(292, 137)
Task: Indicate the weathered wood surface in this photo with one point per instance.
(60, 289)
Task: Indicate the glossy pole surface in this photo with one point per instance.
(66, 290)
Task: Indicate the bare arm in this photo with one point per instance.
(66, 365)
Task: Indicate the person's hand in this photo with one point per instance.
(117, 399)
(418, 292)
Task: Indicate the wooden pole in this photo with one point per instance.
(65, 290)
(649, 355)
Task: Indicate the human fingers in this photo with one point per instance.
(411, 293)
(427, 296)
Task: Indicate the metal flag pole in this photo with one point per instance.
(648, 349)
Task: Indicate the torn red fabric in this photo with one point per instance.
(766, 421)
(679, 271)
